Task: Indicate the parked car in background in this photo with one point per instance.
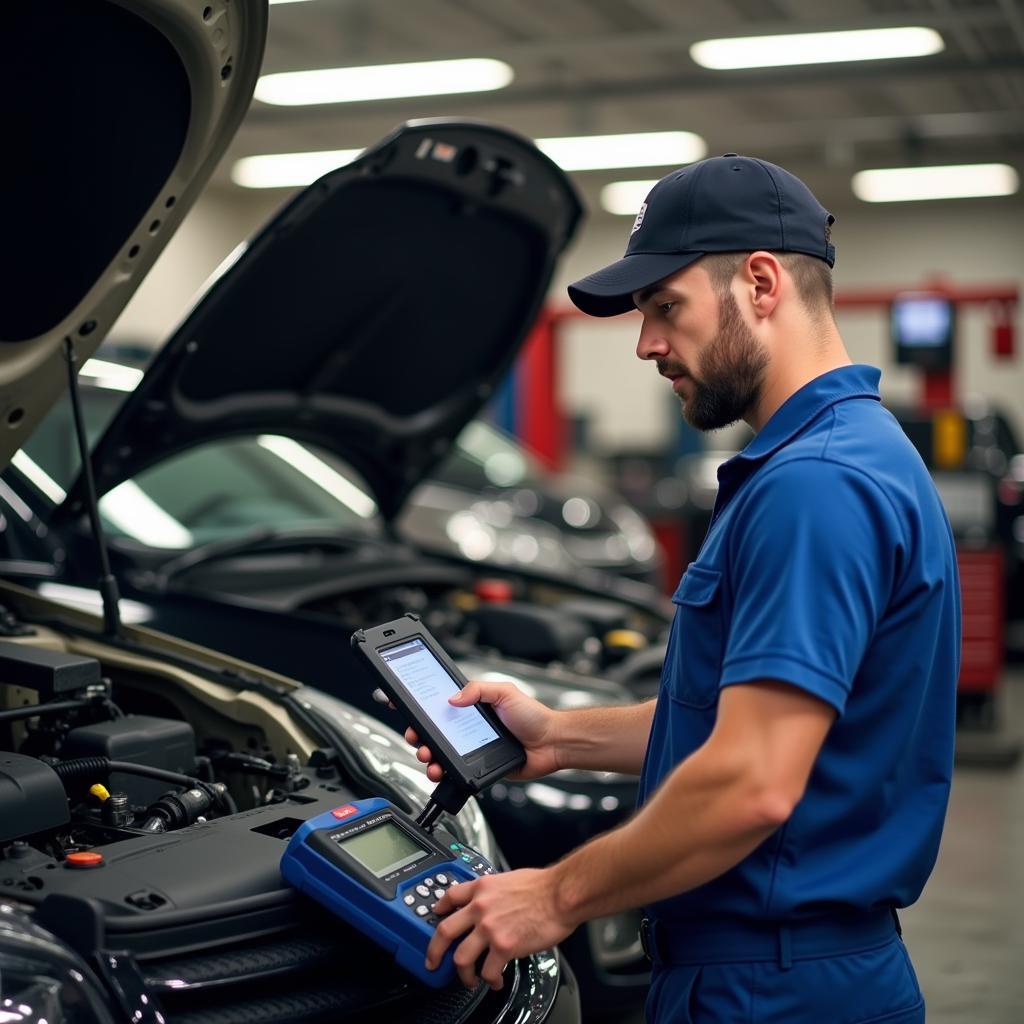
(239, 515)
(488, 499)
(573, 522)
(231, 524)
(148, 786)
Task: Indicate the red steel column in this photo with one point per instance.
(542, 426)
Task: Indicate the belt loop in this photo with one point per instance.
(647, 938)
(896, 921)
(655, 935)
(785, 947)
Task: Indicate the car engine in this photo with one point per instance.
(530, 621)
(144, 806)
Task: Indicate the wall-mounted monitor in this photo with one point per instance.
(922, 327)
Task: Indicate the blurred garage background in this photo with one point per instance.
(894, 85)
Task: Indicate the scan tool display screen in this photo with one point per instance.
(427, 682)
(383, 849)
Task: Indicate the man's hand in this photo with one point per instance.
(500, 918)
(530, 721)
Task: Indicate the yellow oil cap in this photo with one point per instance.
(625, 639)
(465, 601)
(99, 791)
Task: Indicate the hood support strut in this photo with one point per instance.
(107, 581)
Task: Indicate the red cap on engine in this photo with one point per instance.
(494, 591)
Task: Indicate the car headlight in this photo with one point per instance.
(636, 532)
(491, 532)
(41, 979)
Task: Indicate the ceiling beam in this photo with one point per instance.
(560, 47)
(690, 83)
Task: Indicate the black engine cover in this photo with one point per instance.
(142, 739)
(31, 795)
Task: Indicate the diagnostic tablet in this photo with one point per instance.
(470, 744)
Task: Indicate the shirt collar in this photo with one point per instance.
(857, 381)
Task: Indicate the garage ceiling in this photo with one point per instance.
(607, 66)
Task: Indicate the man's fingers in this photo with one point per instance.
(466, 955)
(444, 935)
(423, 754)
(492, 970)
(457, 896)
(484, 693)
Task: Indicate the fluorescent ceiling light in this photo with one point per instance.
(623, 198)
(281, 170)
(572, 153)
(816, 48)
(908, 184)
(383, 81)
(272, 2)
(639, 149)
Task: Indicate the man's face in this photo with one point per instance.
(700, 342)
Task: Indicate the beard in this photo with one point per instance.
(732, 370)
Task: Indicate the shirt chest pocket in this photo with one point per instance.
(699, 633)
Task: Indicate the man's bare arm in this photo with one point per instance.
(605, 739)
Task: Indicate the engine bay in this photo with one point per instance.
(591, 629)
(90, 781)
(144, 807)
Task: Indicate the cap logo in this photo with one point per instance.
(639, 219)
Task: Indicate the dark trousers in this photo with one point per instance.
(804, 979)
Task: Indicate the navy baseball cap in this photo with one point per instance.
(723, 204)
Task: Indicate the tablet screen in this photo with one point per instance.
(427, 682)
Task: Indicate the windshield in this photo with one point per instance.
(484, 457)
(216, 491)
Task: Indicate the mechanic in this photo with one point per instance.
(795, 768)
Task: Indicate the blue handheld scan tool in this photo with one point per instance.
(375, 868)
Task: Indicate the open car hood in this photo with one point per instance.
(373, 315)
(114, 116)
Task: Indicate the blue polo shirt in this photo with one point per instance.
(829, 565)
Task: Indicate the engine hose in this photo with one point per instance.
(56, 707)
(84, 769)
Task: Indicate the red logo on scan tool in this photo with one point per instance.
(345, 812)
